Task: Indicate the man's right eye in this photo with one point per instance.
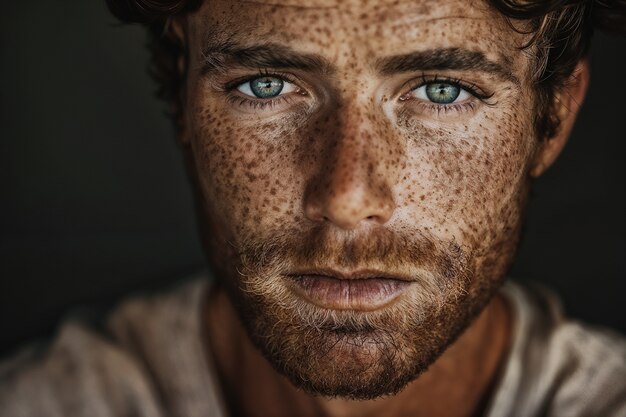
(266, 87)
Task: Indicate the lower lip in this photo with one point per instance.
(349, 294)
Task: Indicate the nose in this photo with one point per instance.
(353, 185)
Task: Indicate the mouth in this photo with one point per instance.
(358, 290)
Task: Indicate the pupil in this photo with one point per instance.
(266, 87)
(442, 93)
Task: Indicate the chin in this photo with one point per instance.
(358, 353)
(355, 354)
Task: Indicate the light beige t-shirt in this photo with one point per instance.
(150, 360)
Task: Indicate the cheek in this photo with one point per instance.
(247, 171)
(469, 182)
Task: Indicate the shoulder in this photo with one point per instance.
(589, 370)
(118, 368)
(79, 373)
(146, 357)
(558, 366)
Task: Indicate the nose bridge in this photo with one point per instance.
(353, 183)
(354, 154)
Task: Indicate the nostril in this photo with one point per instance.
(346, 204)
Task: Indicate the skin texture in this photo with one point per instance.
(352, 170)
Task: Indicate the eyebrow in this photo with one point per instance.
(446, 59)
(221, 56)
(218, 58)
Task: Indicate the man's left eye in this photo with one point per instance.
(440, 93)
(266, 87)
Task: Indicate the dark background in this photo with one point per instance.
(95, 203)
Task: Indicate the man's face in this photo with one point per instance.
(363, 167)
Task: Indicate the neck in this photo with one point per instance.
(457, 384)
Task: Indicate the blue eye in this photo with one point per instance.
(266, 87)
(440, 93)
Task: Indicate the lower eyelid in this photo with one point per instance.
(445, 109)
(246, 102)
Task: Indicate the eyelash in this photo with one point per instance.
(473, 89)
(259, 104)
(263, 104)
(439, 109)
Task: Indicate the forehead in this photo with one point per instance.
(359, 30)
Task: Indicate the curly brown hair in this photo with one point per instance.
(560, 30)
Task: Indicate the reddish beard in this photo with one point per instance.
(348, 353)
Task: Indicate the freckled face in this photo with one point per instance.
(363, 167)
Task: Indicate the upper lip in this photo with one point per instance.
(347, 275)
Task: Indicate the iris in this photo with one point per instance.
(266, 87)
(442, 93)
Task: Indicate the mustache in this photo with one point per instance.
(321, 247)
(438, 267)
